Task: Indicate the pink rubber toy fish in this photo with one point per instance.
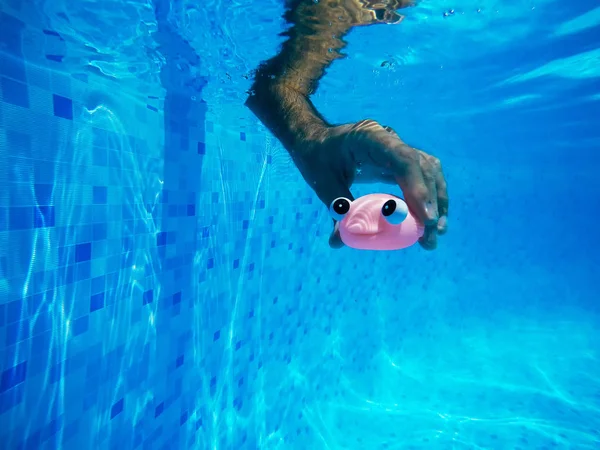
(376, 222)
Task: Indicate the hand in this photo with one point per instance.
(368, 152)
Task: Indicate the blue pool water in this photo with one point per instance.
(165, 278)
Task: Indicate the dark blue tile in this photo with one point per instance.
(211, 263)
(96, 302)
(161, 238)
(191, 210)
(81, 325)
(236, 263)
(179, 361)
(183, 418)
(14, 92)
(148, 297)
(201, 148)
(100, 195)
(117, 408)
(216, 335)
(177, 298)
(159, 409)
(52, 33)
(13, 376)
(242, 136)
(55, 58)
(63, 107)
(205, 232)
(43, 216)
(83, 252)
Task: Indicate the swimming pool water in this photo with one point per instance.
(165, 279)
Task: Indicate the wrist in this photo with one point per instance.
(288, 114)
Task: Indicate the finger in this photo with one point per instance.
(335, 240)
(392, 132)
(417, 185)
(429, 239)
(443, 201)
(327, 193)
(435, 168)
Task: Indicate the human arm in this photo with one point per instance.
(328, 155)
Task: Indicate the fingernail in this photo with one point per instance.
(442, 224)
(430, 211)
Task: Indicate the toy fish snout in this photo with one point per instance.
(362, 223)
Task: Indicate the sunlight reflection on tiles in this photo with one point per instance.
(583, 22)
(580, 66)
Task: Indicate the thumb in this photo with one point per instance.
(327, 194)
(335, 240)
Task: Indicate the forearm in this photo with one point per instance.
(282, 87)
(280, 94)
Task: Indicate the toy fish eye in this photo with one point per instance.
(339, 208)
(394, 212)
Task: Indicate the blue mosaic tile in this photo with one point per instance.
(117, 408)
(100, 194)
(14, 92)
(83, 252)
(44, 216)
(13, 376)
(97, 302)
(63, 107)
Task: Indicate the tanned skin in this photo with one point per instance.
(332, 157)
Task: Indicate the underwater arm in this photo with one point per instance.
(332, 157)
(282, 87)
